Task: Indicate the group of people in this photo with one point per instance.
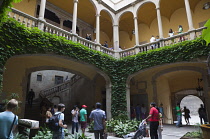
(170, 34)
(78, 116)
(186, 111)
(138, 112)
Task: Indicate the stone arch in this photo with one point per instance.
(38, 62)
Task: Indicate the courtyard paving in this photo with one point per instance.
(169, 132)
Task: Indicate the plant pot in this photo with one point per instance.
(206, 130)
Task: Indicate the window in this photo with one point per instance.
(58, 79)
(39, 77)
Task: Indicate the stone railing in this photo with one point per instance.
(31, 21)
(190, 35)
(60, 87)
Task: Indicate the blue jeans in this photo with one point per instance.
(58, 135)
(74, 124)
(179, 120)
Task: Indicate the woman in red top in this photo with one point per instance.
(154, 121)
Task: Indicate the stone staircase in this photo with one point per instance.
(33, 112)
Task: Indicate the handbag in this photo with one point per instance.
(11, 127)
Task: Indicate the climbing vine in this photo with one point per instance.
(16, 39)
(5, 6)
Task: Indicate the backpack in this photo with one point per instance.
(54, 122)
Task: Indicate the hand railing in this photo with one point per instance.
(60, 87)
(190, 35)
(31, 21)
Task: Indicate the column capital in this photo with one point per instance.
(76, 1)
(157, 8)
(135, 18)
(98, 15)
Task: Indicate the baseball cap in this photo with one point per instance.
(84, 106)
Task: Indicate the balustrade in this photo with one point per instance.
(31, 21)
(59, 88)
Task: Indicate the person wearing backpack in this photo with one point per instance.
(59, 134)
(8, 120)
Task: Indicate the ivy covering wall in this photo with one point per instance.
(16, 39)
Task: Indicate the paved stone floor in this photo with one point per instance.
(169, 132)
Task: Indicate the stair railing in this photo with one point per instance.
(60, 87)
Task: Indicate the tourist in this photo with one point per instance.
(60, 133)
(154, 120)
(202, 114)
(158, 44)
(170, 33)
(187, 115)
(180, 30)
(160, 127)
(75, 115)
(88, 37)
(48, 115)
(31, 96)
(133, 113)
(105, 44)
(152, 39)
(143, 111)
(99, 117)
(161, 110)
(138, 112)
(83, 118)
(8, 120)
(178, 115)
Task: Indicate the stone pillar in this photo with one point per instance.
(98, 28)
(42, 9)
(136, 30)
(128, 100)
(61, 22)
(206, 94)
(41, 14)
(160, 27)
(74, 24)
(189, 15)
(116, 36)
(108, 102)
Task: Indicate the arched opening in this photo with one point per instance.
(106, 29)
(192, 103)
(146, 15)
(126, 28)
(50, 74)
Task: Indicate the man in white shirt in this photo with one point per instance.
(152, 40)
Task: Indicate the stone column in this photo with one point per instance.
(206, 94)
(154, 91)
(108, 101)
(42, 9)
(116, 36)
(136, 30)
(189, 15)
(160, 27)
(41, 14)
(98, 28)
(128, 100)
(61, 22)
(74, 24)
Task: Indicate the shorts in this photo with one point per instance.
(83, 124)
